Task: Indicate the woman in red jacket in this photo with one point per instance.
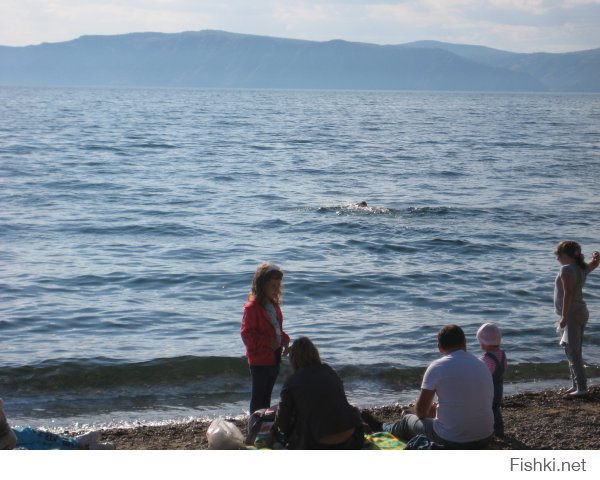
(262, 333)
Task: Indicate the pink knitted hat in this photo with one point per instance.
(489, 334)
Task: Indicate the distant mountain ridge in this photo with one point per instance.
(216, 59)
(574, 71)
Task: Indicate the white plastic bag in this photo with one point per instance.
(564, 339)
(564, 335)
(224, 435)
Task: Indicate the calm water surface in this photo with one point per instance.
(132, 221)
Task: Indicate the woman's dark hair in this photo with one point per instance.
(303, 353)
(264, 273)
(573, 250)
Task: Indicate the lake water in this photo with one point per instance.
(132, 221)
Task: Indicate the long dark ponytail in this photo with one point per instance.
(573, 250)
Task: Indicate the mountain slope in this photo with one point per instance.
(573, 72)
(217, 59)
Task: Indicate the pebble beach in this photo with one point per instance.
(546, 420)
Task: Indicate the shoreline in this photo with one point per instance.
(541, 420)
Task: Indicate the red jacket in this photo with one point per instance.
(257, 333)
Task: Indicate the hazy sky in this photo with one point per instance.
(515, 25)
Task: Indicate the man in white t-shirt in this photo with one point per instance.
(463, 416)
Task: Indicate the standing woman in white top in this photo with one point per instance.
(570, 306)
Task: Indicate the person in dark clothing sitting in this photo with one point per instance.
(314, 412)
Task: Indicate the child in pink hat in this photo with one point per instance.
(494, 357)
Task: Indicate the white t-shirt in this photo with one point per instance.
(465, 392)
(578, 276)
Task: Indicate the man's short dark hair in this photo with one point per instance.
(451, 336)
